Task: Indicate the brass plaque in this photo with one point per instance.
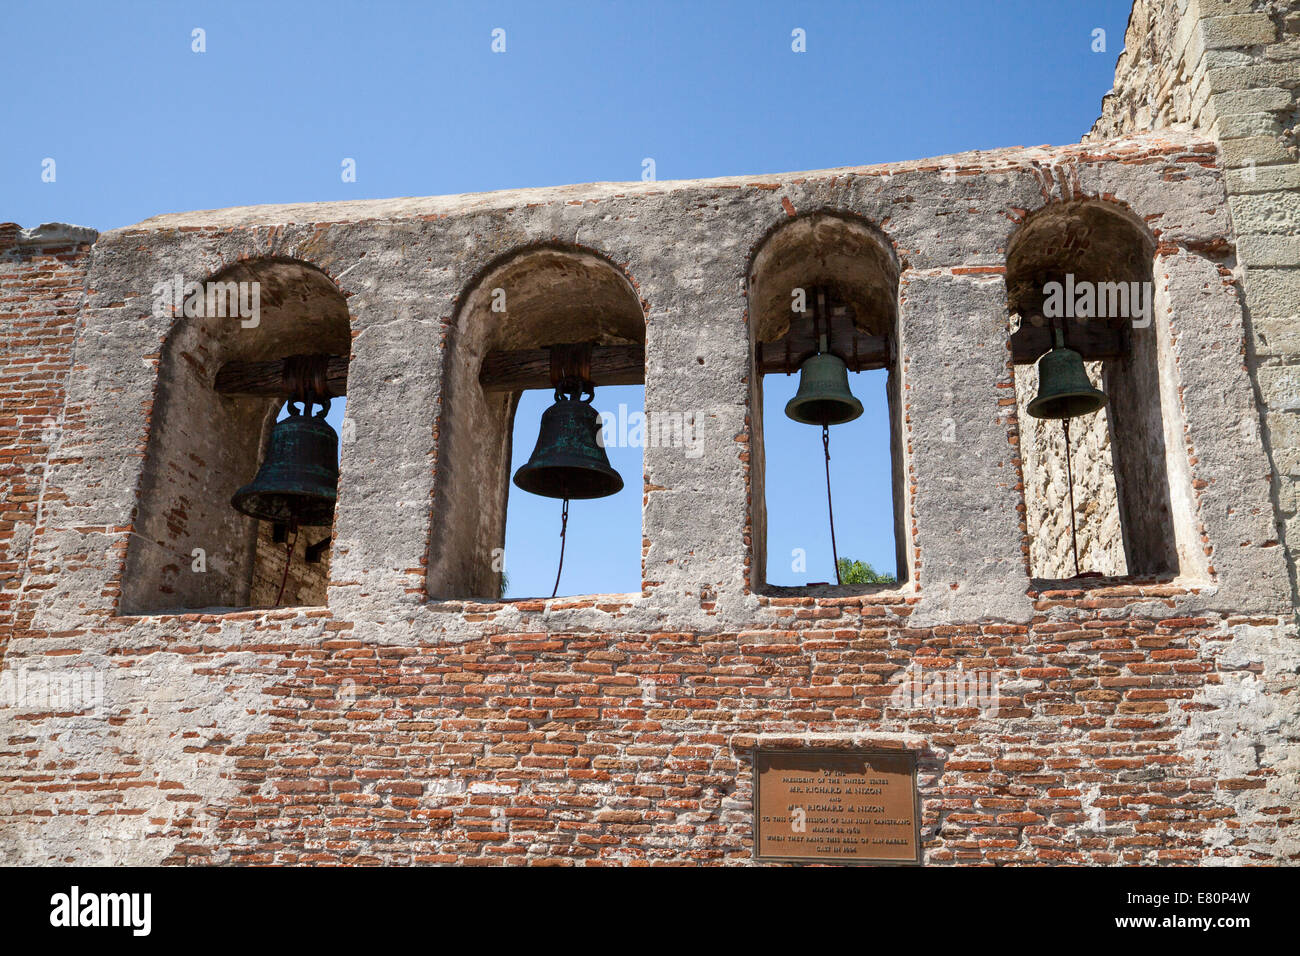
(836, 806)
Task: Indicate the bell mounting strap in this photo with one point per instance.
(306, 380)
(821, 321)
(571, 371)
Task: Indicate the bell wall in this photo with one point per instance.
(1136, 719)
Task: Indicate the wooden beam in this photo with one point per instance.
(515, 370)
(267, 378)
(1093, 340)
(859, 350)
(518, 369)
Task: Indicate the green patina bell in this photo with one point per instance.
(823, 397)
(568, 460)
(1064, 389)
(298, 480)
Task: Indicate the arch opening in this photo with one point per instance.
(518, 308)
(189, 548)
(826, 281)
(1083, 270)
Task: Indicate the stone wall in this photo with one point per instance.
(1231, 68)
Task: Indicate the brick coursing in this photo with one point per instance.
(526, 746)
(42, 288)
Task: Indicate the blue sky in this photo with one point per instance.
(139, 124)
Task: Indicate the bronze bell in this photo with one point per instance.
(298, 480)
(568, 460)
(823, 397)
(1064, 389)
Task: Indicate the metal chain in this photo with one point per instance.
(1069, 479)
(830, 508)
(564, 524)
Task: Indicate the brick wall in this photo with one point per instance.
(531, 743)
(42, 287)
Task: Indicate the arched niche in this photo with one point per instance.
(856, 265)
(203, 444)
(1094, 258)
(528, 300)
(838, 250)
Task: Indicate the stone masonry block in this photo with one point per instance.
(1237, 125)
(1253, 101)
(1266, 212)
(1267, 250)
(1249, 29)
(1276, 336)
(1237, 77)
(1263, 179)
(1279, 386)
(1224, 8)
(1259, 150)
(1273, 291)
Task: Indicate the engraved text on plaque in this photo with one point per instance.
(836, 806)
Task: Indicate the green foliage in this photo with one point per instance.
(861, 572)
